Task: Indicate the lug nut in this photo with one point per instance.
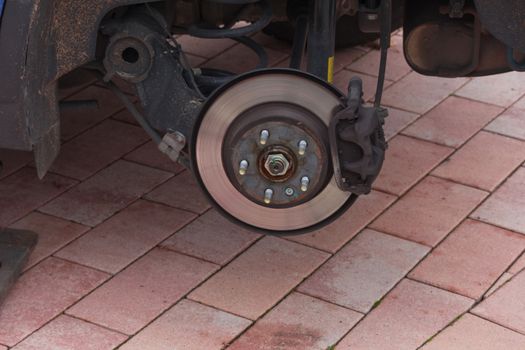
(268, 194)
(265, 134)
(305, 181)
(302, 147)
(243, 167)
(289, 191)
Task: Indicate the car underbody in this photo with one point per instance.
(278, 150)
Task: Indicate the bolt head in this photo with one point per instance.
(289, 191)
(277, 164)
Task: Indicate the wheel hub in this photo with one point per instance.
(277, 147)
(262, 151)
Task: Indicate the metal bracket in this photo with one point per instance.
(172, 144)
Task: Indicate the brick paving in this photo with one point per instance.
(132, 256)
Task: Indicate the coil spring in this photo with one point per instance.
(209, 79)
(217, 33)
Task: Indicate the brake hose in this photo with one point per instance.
(385, 31)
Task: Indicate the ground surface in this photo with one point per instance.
(131, 255)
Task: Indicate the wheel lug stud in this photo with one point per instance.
(305, 181)
(243, 167)
(302, 147)
(268, 194)
(265, 134)
(289, 191)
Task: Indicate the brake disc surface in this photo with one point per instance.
(262, 155)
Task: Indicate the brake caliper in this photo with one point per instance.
(357, 142)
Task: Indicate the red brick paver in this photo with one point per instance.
(280, 266)
(510, 123)
(506, 206)
(181, 192)
(416, 93)
(120, 240)
(66, 333)
(408, 316)
(13, 161)
(141, 292)
(190, 326)
(474, 333)
(23, 192)
(43, 293)
(332, 237)
(470, 259)
(484, 162)
(503, 306)
(109, 191)
(149, 155)
(75, 121)
(397, 66)
(403, 167)
(97, 148)
(53, 234)
(518, 265)
(500, 89)
(211, 237)
(398, 120)
(364, 271)
(299, 322)
(429, 211)
(453, 122)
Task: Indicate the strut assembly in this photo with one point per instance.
(278, 150)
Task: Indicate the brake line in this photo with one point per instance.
(385, 31)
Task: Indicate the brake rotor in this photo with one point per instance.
(262, 154)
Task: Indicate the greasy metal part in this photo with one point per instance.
(15, 248)
(293, 123)
(321, 39)
(277, 164)
(128, 57)
(438, 42)
(504, 20)
(286, 123)
(357, 142)
(223, 109)
(172, 144)
(167, 91)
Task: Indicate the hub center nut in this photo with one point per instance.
(277, 164)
